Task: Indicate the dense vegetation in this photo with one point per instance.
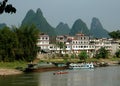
(115, 34)
(117, 54)
(18, 43)
(101, 53)
(83, 55)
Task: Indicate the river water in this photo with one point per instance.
(104, 76)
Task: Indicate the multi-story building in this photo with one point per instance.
(111, 45)
(103, 42)
(61, 38)
(80, 42)
(43, 42)
(115, 46)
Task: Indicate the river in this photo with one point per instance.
(104, 76)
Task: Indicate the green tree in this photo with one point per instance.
(72, 56)
(101, 53)
(83, 55)
(18, 43)
(115, 34)
(61, 46)
(27, 37)
(8, 44)
(118, 54)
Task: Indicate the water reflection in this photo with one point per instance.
(106, 76)
(19, 80)
(49, 79)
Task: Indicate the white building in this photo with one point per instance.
(78, 43)
(43, 42)
(104, 42)
(115, 46)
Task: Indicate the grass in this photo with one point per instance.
(92, 60)
(60, 60)
(77, 60)
(115, 59)
(13, 65)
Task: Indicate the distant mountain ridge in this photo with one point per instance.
(97, 29)
(62, 29)
(38, 20)
(79, 27)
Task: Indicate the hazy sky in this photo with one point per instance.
(68, 11)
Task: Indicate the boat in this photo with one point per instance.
(60, 72)
(81, 66)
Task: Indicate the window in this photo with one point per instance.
(68, 46)
(84, 46)
(84, 37)
(51, 46)
(76, 46)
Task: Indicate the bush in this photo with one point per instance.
(72, 56)
(66, 55)
(101, 53)
(118, 54)
(83, 55)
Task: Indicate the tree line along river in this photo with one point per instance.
(103, 76)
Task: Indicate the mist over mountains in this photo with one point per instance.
(79, 26)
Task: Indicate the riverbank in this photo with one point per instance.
(4, 72)
(11, 68)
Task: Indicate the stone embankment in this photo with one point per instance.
(4, 72)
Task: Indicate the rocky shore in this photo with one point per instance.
(4, 72)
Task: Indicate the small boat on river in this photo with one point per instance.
(60, 72)
(81, 66)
